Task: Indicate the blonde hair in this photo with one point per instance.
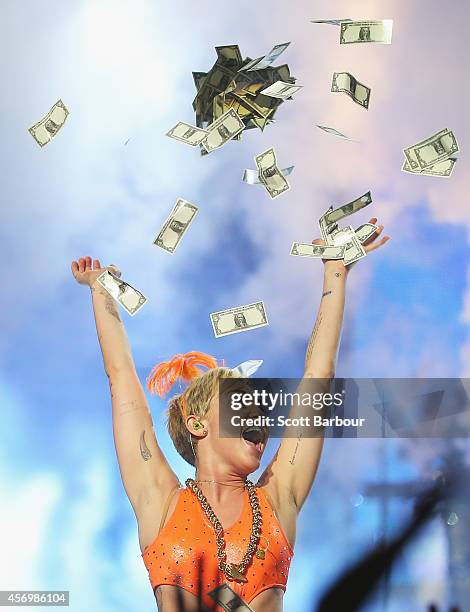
(194, 400)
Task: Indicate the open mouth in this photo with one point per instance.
(254, 436)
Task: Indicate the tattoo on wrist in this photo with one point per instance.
(144, 450)
(338, 274)
(326, 293)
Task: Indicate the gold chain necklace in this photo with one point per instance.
(231, 570)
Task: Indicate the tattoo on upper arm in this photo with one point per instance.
(295, 451)
(326, 293)
(313, 336)
(144, 450)
(110, 306)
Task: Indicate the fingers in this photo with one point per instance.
(81, 264)
(376, 245)
(96, 264)
(318, 241)
(87, 263)
(74, 268)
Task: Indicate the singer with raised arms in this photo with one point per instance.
(220, 527)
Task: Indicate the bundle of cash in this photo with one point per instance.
(218, 133)
(175, 226)
(130, 299)
(252, 89)
(225, 597)
(340, 242)
(432, 156)
(238, 319)
(46, 128)
(270, 175)
(252, 177)
(354, 32)
(345, 82)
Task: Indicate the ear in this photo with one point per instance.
(196, 425)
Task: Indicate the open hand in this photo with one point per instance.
(371, 244)
(86, 273)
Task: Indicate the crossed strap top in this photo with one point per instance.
(186, 546)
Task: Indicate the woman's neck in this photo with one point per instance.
(217, 485)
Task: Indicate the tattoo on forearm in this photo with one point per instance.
(110, 306)
(127, 407)
(144, 450)
(311, 342)
(326, 293)
(295, 451)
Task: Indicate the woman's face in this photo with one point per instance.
(240, 455)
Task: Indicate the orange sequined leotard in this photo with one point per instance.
(188, 540)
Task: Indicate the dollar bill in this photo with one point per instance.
(353, 250)
(281, 90)
(348, 209)
(366, 32)
(365, 231)
(443, 169)
(46, 128)
(270, 175)
(228, 600)
(345, 82)
(341, 235)
(222, 130)
(335, 132)
(189, 134)
(130, 298)
(266, 60)
(336, 22)
(430, 151)
(239, 319)
(176, 225)
(301, 249)
(252, 176)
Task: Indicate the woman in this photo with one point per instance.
(220, 528)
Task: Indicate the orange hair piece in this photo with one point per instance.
(164, 375)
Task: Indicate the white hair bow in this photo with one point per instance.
(247, 368)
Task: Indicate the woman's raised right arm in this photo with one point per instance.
(145, 472)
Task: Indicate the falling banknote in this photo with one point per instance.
(345, 82)
(301, 249)
(432, 156)
(335, 132)
(176, 225)
(44, 130)
(281, 90)
(222, 130)
(189, 134)
(336, 22)
(241, 318)
(131, 299)
(264, 62)
(252, 176)
(366, 32)
(270, 175)
(228, 599)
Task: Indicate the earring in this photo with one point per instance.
(197, 425)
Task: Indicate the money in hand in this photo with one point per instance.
(270, 175)
(366, 32)
(222, 130)
(228, 599)
(239, 319)
(426, 156)
(343, 81)
(46, 128)
(252, 176)
(281, 90)
(176, 225)
(189, 134)
(302, 249)
(130, 298)
(264, 62)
